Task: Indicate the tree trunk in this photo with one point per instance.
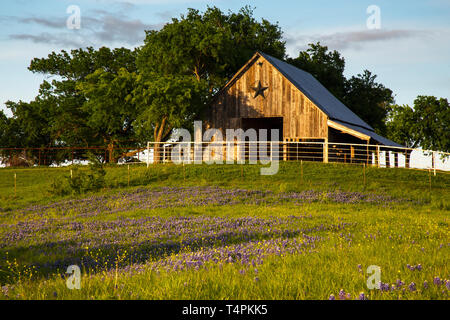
(111, 149)
(197, 76)
(159, 134)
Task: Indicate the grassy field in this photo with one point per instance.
(226, 232)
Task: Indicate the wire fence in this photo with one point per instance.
(231, 152)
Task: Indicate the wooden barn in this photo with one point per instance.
(267, 93)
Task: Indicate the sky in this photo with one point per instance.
(408, 50)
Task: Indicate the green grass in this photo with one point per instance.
(413, 230)
(33, 185)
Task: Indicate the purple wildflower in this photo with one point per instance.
(384, 286)
(399, 283)
(362, 296)
(437, 281)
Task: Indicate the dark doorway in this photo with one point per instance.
(264, 123)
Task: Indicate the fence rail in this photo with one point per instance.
(232, 152)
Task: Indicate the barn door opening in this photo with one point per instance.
(264, 123)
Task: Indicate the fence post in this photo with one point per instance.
(387, 159)
(434, 162)
(301, 171)
(15, 184)
(367, 152)
(378, 156)
(364, 174)
(164, 154)
(128, 175)
(429, 174)
(325, 151)
(148, 154)
(271, 151)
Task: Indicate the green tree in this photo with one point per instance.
(110, 112)
(9, 131)
(361, 93)
(29, 125)
(369, 100)
(79, 63)
(400, 126)
(165, 103)
(426, 125)
(326, 66)
(432, 118)
(70, 120)
(28, 128)
(211, 46)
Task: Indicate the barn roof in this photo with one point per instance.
(372, 134)
(324, 99)
(317, 93)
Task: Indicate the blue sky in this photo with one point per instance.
(410, 53)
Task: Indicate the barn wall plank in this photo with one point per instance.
(301, 118)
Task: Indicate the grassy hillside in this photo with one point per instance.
(226, 232)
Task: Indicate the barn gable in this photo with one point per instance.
(271, 93)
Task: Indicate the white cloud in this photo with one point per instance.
(103, 28)
(408, 61)
(355, 39)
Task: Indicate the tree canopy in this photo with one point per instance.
(326, 66)
(211, 46)
(367, 98)
(427, 125)
(73, 104)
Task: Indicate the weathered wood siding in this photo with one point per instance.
(301, 118)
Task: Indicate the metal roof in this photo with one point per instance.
(325, 100)
(317, 93)
(370, 133)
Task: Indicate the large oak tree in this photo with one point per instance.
(426, 125)
(362, 94)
